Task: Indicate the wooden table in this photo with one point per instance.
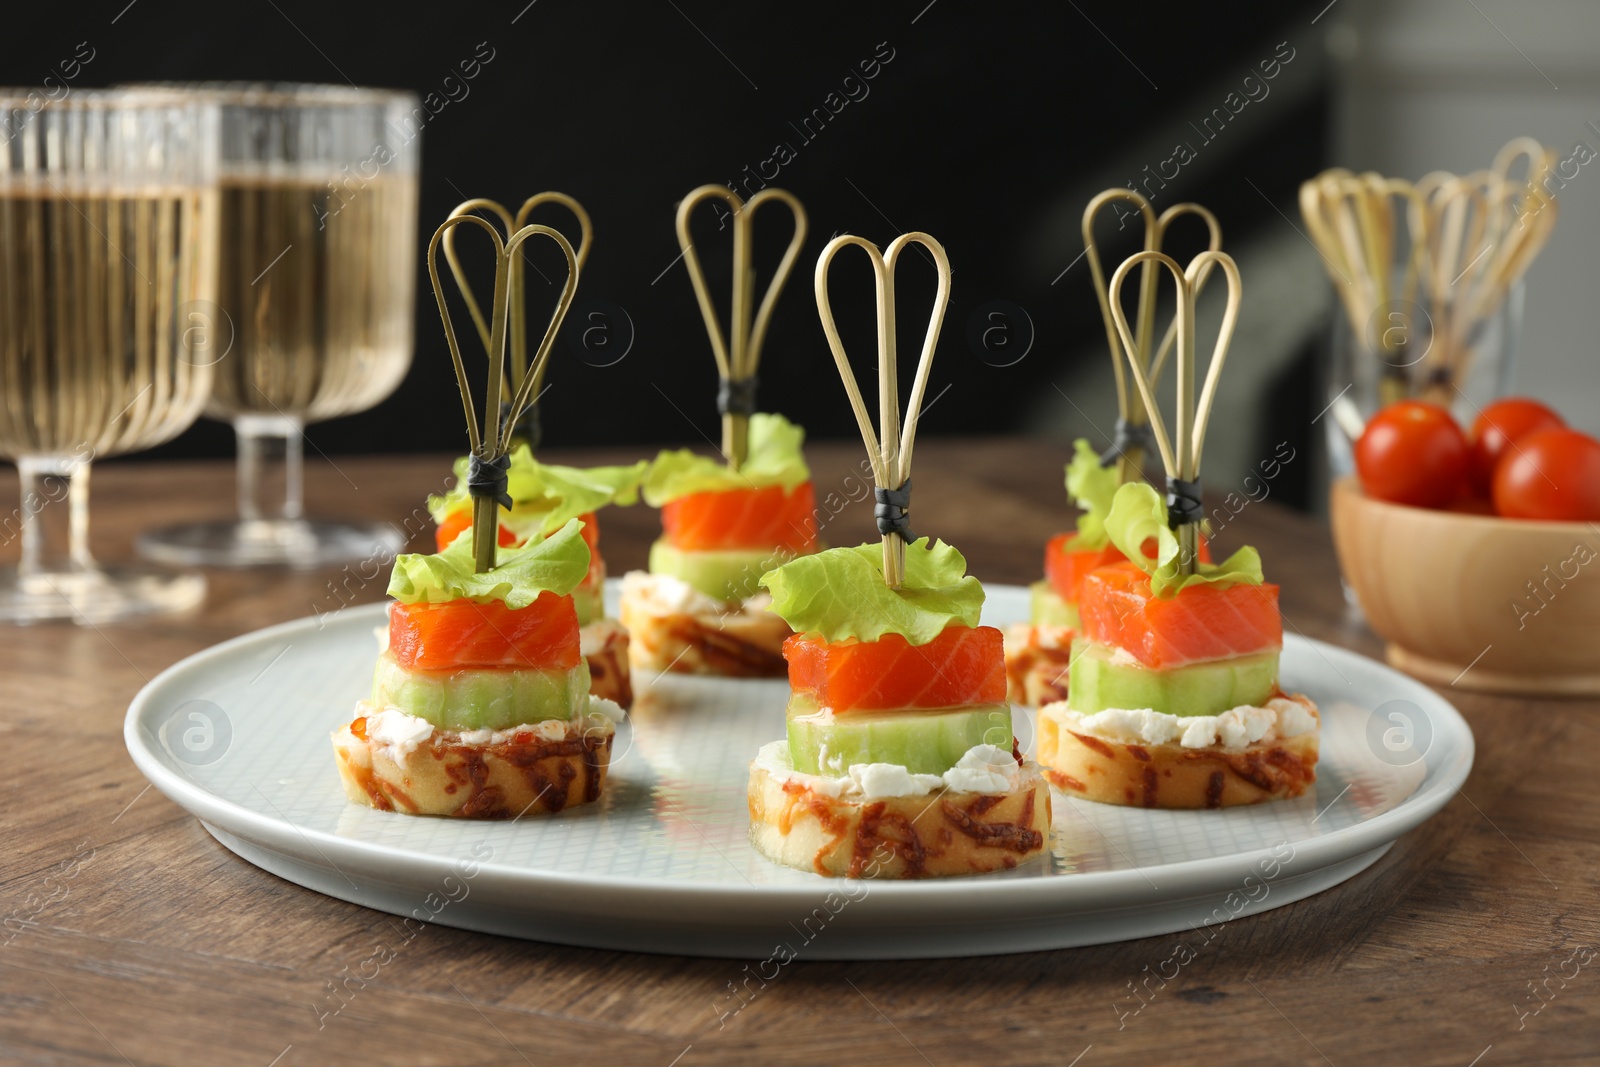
(132, 936)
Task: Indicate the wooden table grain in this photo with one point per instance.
(130, 936)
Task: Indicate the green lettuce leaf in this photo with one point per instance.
(773, 458)
(1091, 487)
(544, 495)
(1137, 514)
(840, 593)
(556, 564)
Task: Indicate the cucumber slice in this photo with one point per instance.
(923, 742)
(481, 699)
(1096, 683)
(723, 574)
(1048, 607)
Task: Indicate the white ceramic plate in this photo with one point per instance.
(238, 735)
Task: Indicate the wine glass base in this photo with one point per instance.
(103, 594)
(300, 543)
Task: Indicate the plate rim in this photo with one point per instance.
(1133, 885)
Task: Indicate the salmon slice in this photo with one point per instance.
(963, 666)
(461, 519)
(591, 537)
(590, 532)
(1066, 566)
(1201, 623)
(462, 634)
(771, 517)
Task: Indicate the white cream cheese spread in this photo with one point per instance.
(1236, 728)
(401, 733)
(984, 769)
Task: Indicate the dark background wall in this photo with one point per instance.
(977, 123)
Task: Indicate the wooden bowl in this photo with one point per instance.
(1505, 605)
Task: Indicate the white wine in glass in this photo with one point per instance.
(317, 286)
(108, 227)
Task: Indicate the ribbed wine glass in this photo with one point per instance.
(108, 239)
(317, 287)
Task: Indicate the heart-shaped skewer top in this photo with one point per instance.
(1370, 231)
(738, 353)
(1353, 220)
(517, 327)
(1456, 242)
(889, 447)
(1132, 436)
(1180, 450)
(1483, 233)
(487, 478)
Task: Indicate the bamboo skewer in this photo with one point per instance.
(520, 364)
(1129, 407)
(470, 207)
(490, 444)
(1181, 450)
(517, 328)
(1213, 244)
(1352, 219)
(1469, 240)
(1130, 404)
(738, 353)
(1492, 270)
(889, 448)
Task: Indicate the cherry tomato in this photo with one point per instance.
(1500, 424)
(1551, 474)
(1412, 452)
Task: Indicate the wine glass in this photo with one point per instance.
(108, 233)
(317, 286)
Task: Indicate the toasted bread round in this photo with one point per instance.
(735, 644)
(1037, 658)
(518, 772)
(605, 649)
(1116, 771)
(934, 835)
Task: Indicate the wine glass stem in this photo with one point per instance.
(271, 462)
(53, 517)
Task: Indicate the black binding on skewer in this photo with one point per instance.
(893, 511)
(737, 396)
(1126, 437)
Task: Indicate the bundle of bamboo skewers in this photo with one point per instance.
(1429, 263)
